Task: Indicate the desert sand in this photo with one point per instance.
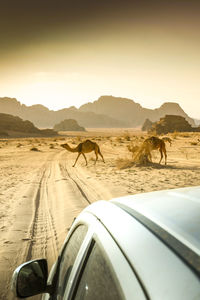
(41, 193)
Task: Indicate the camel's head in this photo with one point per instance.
(64, 145)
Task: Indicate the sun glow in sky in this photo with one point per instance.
(69, 55)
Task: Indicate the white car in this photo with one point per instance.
(145, 246)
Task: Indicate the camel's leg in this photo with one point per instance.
(101, 155)
(161, 155)
(85, 158)
(76, 159)
(165, 153)
(149, 155)
(163, 150)
(96, 153)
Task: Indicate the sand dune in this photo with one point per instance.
(41, 193)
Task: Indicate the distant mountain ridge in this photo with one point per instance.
(131, 112)
(42, 117)
(106, 112)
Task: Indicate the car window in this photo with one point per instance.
(68, 258)
(98, 280)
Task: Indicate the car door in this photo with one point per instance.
(68, 258)
(60, 274)
(105, 273)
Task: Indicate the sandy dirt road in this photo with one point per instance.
(42, 210)
(41, 193)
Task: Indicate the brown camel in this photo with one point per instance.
(85, 147)
(154, 143)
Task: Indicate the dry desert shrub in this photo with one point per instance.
(194, 143)
(34, 149)
(142, 156)
(127, 138)
(19, 145)
(118, 139)
(133, 148)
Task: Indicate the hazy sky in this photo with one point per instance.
(62, 53)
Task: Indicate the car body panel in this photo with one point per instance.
(176, 210)
(150, 256)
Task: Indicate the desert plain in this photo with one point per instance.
(41, 193)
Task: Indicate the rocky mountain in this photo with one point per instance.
(15, 126)
(133, 113)
(42, 117)
(68, 125)
(106, 112)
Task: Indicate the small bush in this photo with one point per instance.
(34, 149)
(127, 138)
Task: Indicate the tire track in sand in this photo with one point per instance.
(59, 194)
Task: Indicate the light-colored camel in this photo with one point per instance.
(85, 147)
(153, 143)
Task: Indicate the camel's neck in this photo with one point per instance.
(71, 149)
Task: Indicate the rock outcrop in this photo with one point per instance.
(171, 123)
(15, 126)
(68, 125)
